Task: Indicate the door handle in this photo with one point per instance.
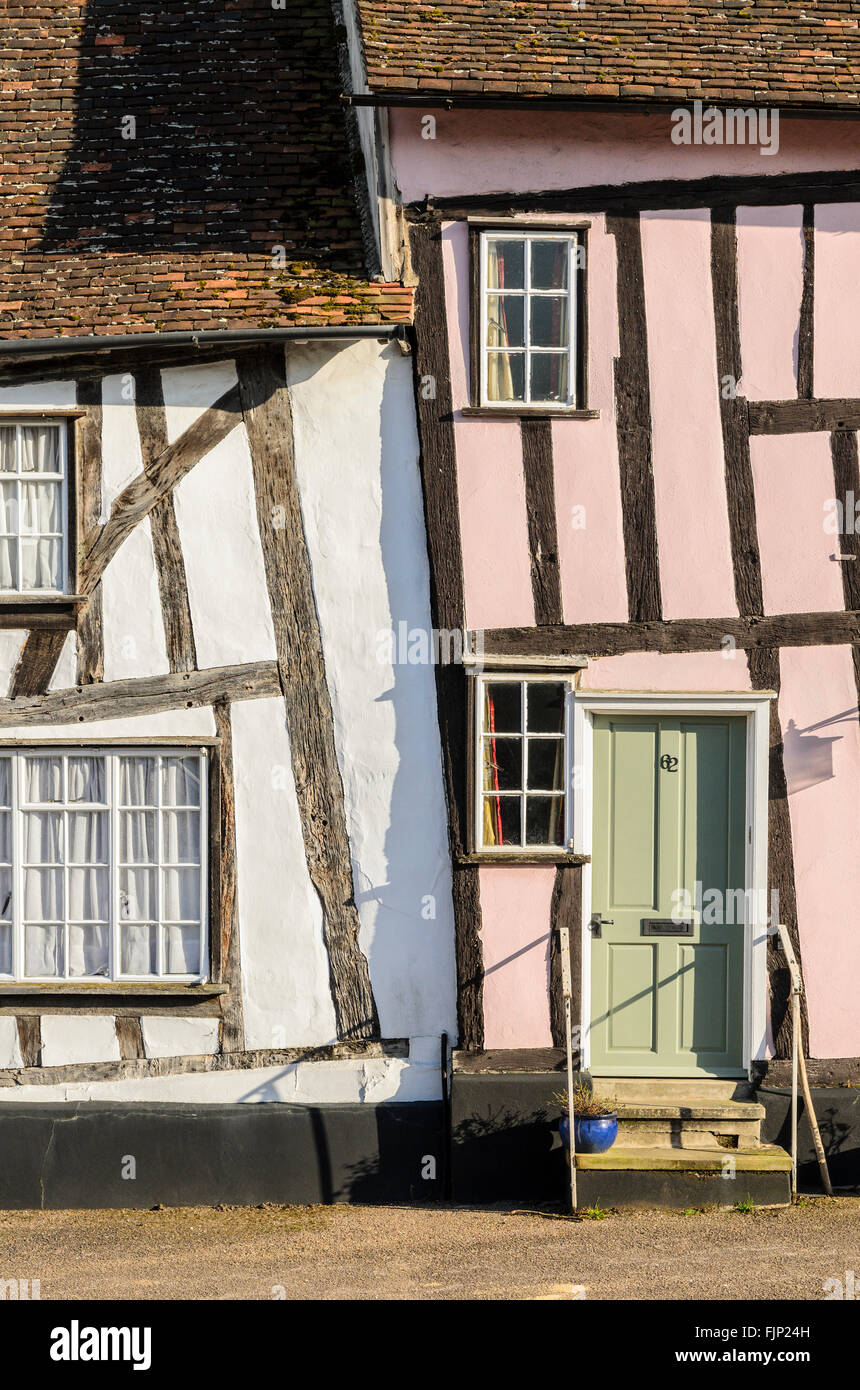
(597, 923)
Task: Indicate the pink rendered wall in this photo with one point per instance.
(495, 151)
(770, 287)
(587, 482)
(822, 766)
(793, 478)
(493, 526)
(687, 441)
(672, 671)
(515, 917)
(836, 368)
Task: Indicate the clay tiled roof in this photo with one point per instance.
(153, 153)
(776, 51)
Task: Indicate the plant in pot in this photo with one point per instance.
(595, 1123)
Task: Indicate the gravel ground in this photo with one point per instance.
(430, 1253)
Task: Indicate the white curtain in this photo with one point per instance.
(67, 871)
(177, 878)
(31, 511)
(42, 780)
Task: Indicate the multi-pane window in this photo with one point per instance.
(102, 864)
(33, 508)
(522, 762)
(528, 318)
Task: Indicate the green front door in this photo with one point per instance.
(667, 962)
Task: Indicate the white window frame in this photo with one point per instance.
(522, 850)
(61, 425)
(112, 753)
(573, 239)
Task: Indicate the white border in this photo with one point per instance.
(755, 706)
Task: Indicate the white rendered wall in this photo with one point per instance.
(356, 1081)
(357, 464)
(217, 517)
(179, 1037)
(285, 978)
(189, 391)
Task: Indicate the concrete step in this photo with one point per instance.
(672, 1090)
(633, 1176)
(724, 1125)
(767, 1158)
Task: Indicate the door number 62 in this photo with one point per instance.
(668, 763)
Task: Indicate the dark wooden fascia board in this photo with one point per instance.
(769, 190)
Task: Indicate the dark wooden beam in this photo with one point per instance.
(511, 1060)
(822, 1071)
(566, 911)
(144, 492)
(633, 417)
(442, 517)
(30, 1039)
(136, 1069)
(143, 695)
(166, 545)
(806, 331)
(130, 1038)
(740, 494)
(319, 787)
(37, 663)
(232, 1022)
(676, 635)
(539, 476)
(846, 482)
(88, 467)
(765, 675)
(803, 417)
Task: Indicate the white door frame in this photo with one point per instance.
(755, 707)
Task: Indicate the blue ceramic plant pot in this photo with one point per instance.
(593, 1134)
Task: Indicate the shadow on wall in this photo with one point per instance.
(412, 952)
(206, 126)
(808, 756)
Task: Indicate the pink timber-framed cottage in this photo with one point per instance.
(635, 233)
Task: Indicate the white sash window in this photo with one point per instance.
(33, 508)
(103, 864)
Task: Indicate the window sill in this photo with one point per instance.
(523, 857)
(40, 610)
(140, 989)
(512, 412)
